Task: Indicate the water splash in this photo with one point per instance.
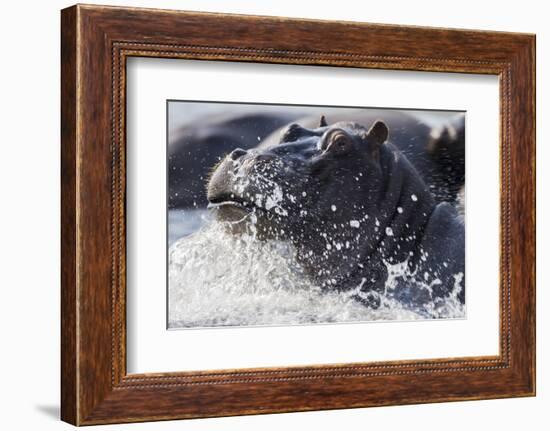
(219, 279)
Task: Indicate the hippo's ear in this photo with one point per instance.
(378, 133)
(323, 121)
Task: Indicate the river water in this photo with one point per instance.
(218, 279)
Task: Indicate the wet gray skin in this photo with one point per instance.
(194, 149)
(351, 204)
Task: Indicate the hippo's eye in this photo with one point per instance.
(337, 142)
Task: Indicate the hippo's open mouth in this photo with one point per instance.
(231, 208)
(239, 212)
(229, 200)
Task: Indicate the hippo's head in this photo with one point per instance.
(338, 192)
(308, 172)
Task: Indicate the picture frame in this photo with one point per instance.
(96, 42)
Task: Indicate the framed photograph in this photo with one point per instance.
(264, 215)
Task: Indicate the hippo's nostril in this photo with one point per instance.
(237, 153)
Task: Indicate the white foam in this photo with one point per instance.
(219, 279)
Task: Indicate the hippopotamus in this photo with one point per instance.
(359, 215)
(194, 149)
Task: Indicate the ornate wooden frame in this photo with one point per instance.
(95, 42)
